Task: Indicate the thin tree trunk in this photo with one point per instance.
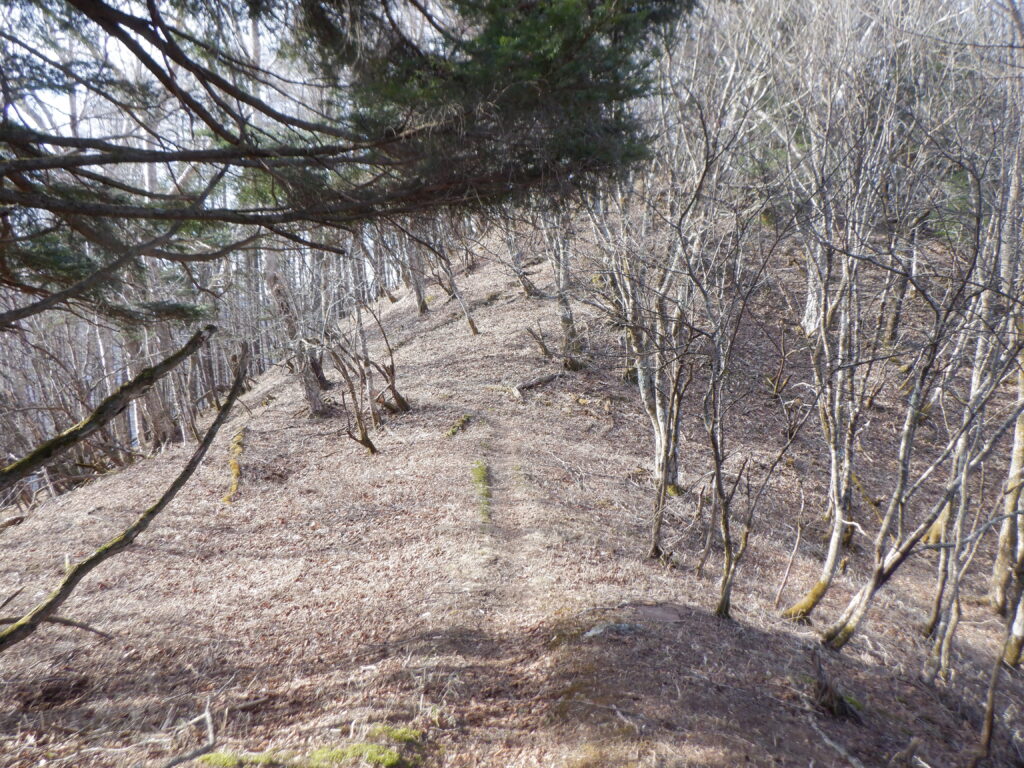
(1010, 527)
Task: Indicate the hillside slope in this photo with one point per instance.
(340, 592)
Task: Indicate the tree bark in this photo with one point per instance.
(1009, 528)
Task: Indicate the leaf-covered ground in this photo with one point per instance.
(341, 592)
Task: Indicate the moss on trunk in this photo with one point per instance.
(803, 607)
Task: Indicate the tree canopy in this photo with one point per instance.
(177, 130)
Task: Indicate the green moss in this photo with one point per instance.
(374, 754)
(853, 702)
(234, 464)
(221, 760)
(268, 758)
(482, 481)
(403, 735)
(801, 610)
(459, 425)
(232, 760)
(326, 756)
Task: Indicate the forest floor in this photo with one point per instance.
(363, 609)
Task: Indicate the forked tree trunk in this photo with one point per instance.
(946, 611)
(317, 366)
(515, 256)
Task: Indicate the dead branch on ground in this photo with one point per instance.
(540, 381)
(211, 742)
(63, 622)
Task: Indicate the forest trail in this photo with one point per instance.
(342, 592)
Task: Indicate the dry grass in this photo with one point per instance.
(339, 590)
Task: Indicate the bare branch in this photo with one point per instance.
(103, 413)
(28, 623)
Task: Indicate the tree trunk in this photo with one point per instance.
(1014, 653)
(556, 230)
(802, 608)
(1010, 528)
(414, 276)
(666, 472)
(310, 385)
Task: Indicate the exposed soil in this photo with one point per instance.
(340, 590)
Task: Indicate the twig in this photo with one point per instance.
(538, 337)
(749, 692)
(789, 565)
(839, 748)
(211, 742)
(246, 706)
(14, 594)
(905, 757)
